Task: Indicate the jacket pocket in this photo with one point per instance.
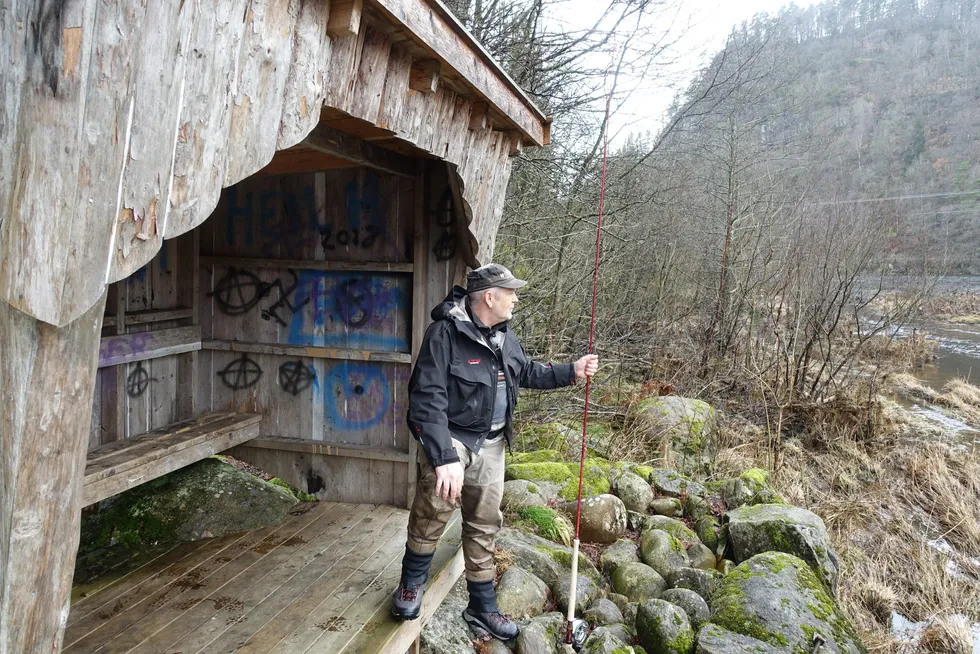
(469, 396)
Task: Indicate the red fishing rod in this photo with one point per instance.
(576, 629)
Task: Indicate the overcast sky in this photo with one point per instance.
(704, 25)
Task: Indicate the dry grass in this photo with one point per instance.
(946, 636)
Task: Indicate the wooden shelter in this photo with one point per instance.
(222, 225)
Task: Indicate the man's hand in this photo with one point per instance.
(586, 366)
(449, 481)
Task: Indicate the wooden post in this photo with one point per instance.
(420, 304)
(47, 380)
(189, 292)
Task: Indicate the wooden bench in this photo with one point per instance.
(121, 465)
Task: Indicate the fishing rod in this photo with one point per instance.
(577, 629)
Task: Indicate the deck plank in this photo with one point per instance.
(382, 633)
(93, 631)
(365, 575)
(161, 614)
(261, 574)
(296, 612)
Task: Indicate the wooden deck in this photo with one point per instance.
(319, 581)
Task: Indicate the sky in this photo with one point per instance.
(703, 26)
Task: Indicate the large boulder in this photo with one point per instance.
(751, 487)
(713, 639)
(520, 594)
(605, 641)
(620, 552)
(776, 598)
(208, 498)
(702, 557)
(668, 506)
(663, 628)
(586, 590)
(541, 635)
(687, 426)
(672, 526)
(603, 518)
(781, 528)
(546, 560)
(445, 632)
(663, 552)
(634, 491)
(693, 604)
(638, 582)
(674, 484)
(702, 582)
(520, 493)
(603, 612)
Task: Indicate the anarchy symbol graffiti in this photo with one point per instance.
(241, 373)
(295, 377)
(137, 381)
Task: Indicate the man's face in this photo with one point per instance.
(502, 302)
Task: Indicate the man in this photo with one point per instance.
(461, 401)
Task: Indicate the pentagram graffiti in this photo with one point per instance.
(295, 377)
(241, 373)
(240, 291)
(137, 381)
(445, 247)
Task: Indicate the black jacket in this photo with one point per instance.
(454, 383)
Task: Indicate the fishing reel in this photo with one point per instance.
(577, 632)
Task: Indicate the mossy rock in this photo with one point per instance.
(664, 628)
(538, 456)
(635, 492)
(604, 518)
(663, 552)
(673, 484)
(595, 480)
(693, 605)
(541, 634)
(620, 552)
(551, 472)
(545, 522)
(607, 641)
(548, 561)
(292, 490)
(551, 436)
(638, 582)
(208, 498)
(778, 599)
(749, 488)
(642, 471)
(672, 526)
(712, 639)
(759, 528)
(689, 426)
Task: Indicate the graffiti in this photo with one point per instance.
(241, 373)
(138, 381)
(113, 351)
(354, 311)
(295, 377)
(288, 232)
(240, 291)
(445, 247)
(356, 396)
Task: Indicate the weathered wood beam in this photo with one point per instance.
(424, 76)
(308, 264)
(143, 346)
(338, 144)
(305, 446)
(310, 351)
(345, 18)
(479, 116)
(47, 379)
(440, 32)
(516, 143)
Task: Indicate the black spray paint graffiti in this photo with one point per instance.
(241, 373)
(138, 381)
(445, 248)
(240, 291)
(295, 377)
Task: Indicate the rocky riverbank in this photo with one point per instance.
(669, 564)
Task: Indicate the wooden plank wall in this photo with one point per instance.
(292, 340)
(146, 393)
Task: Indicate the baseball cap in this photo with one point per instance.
(490, 276)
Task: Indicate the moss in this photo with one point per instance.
(549, 436)
(642, 471)
(595, 480)
(546, 523)
(292, 490)
(755, 477)
(560, 557)
(553, 472)
(538, 456)
(532, 488)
